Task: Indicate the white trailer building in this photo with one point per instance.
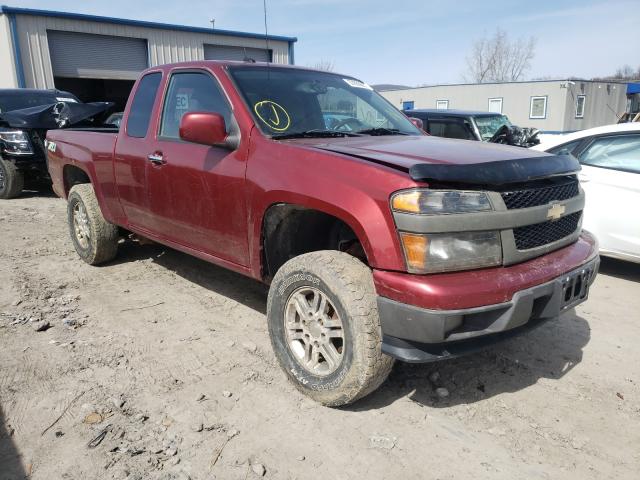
(553, 106)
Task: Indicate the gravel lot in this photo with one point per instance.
(158, 366)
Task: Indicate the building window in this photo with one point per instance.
(408, 105)
(442, 104)
(580, 101)
(495, 105)
(538, 107)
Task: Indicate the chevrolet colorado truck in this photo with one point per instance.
(378, 241)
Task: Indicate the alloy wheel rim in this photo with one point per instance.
(314, 331)
(81, 225)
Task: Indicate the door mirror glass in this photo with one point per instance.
(205, 128)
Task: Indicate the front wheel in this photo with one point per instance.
(11, 180)
(95, 239)
(324, 327)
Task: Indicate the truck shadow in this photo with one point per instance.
(549, 351)
(10, 462)
(620, 269)
(239, 288)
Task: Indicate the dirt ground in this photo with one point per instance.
(158, 365)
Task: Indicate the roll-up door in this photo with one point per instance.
(227, 52)
(85, 55)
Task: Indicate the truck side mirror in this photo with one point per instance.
(417, 122)
(206, 128)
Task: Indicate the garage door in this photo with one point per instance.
(84, 55)
(225, 52)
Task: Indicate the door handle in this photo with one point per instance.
(156, 158)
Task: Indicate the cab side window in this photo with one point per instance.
(191, 92)
(140, 113)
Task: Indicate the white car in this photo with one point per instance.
(610, 177)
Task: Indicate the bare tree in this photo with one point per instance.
(498, 59)
(324, 65)
(624, 73)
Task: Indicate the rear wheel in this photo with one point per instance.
(11, 180)
(324, 327)
(95, 239)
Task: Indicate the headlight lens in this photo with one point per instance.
(446, 252)
(438, 202)
(15, 141)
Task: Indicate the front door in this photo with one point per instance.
(196, 192)
(610, 178)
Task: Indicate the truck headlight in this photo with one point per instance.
(439, 202)
(15, 141)
(446, 252)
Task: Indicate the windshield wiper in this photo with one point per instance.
(315, 133)
(381, 131)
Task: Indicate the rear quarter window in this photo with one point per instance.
(142, 106)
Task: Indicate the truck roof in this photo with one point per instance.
(239, 63)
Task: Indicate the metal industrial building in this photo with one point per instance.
(553, 106)
(98, 58)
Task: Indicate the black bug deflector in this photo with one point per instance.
(497, 173)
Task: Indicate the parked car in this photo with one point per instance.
(25, 117)
(610, 158)
(378, 243)
(473, 125)
(21, 151)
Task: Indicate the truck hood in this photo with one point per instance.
(435, 158)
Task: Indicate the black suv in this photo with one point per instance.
(472, 125)
(22, 156)
(463, 124)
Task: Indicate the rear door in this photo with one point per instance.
(196, 192)
(135, 143)
(611, 179)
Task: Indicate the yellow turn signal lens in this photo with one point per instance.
(407, 202)
(415, 250)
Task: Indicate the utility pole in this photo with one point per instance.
(213, 23)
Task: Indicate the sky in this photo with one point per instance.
(409, 42)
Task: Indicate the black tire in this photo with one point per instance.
(12, 180)
(348, 285)
(101, 243)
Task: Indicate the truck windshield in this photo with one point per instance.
(489, 125)
(287, 102)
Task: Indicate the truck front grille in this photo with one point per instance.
(533, 197)
(539, 234)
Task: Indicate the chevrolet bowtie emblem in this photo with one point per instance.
(556, 211)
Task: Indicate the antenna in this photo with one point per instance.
(266, 31)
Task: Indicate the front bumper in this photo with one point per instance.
(416, 334)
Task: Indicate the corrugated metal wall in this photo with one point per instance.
(8, 79)
(165, 46)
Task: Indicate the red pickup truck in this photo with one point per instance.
(378, 242)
